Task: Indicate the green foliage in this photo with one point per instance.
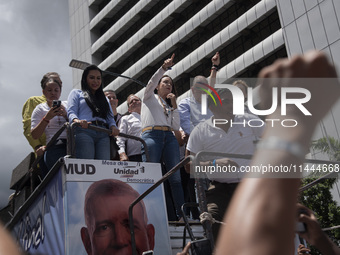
(328, 145)
(319, 198)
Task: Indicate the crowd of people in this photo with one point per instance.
(172, 130)
(155, 118)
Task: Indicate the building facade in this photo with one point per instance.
(134, 37)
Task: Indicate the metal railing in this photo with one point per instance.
(147, 192)
(71, 141)
(200, 181)
(199, 178)
(34, 167)
(29, 176)
(200, 185)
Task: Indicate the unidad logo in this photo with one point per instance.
(239, 101)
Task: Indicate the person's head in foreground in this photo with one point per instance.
(107, 220)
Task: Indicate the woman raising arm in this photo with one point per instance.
(160, 117)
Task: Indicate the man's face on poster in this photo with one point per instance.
(108, 231)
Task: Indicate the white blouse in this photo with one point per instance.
(152, 112)
(55, 123)
(131, 125)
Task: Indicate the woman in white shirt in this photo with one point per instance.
(160, 117)
(48, 119)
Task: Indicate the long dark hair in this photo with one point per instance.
(172, 91)
(97, 101)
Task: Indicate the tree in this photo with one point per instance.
(328, 145)
(319, 197)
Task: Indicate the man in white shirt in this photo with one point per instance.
(224, 132)
(129, 149)
(190, 107)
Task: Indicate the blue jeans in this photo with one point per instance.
(91, 144)
(53, 154)
(163, 148)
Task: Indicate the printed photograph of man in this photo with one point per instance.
(107, 221)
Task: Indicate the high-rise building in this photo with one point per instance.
(134, 37)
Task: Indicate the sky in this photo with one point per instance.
(35, 39)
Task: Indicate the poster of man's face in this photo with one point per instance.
(98, 220)
(108, 226)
